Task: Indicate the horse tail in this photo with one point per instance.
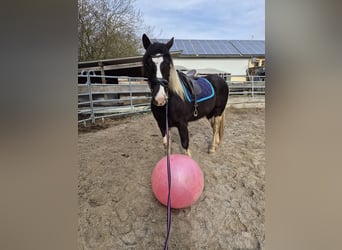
(221, 128)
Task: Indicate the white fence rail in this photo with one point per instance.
(130, 95)
(252, 86)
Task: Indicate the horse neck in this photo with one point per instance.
(175, 84)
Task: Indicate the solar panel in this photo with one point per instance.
(228, 48)
(217, 47)
(250, 47)
(214, 47)
(198, 47)
(188, 48)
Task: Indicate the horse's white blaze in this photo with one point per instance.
(158, 61)
(160, 97)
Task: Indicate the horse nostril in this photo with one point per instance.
(160, 101)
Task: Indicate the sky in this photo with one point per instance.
(204, 19)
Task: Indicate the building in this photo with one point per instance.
(224, 57)
(231, 57)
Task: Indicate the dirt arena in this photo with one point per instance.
(117, 209)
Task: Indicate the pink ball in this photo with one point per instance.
(187, 181)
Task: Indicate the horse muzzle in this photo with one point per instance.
(160, 98)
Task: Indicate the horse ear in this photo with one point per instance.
(169, 43)
(146, 41)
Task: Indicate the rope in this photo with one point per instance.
(168, 219)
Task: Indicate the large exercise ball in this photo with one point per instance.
(187, 181)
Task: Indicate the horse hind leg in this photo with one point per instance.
(221, 127)
(211, 121)
(217, 124)
(215, 139)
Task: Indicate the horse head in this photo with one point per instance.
(158, 67)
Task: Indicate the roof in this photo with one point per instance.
(116, 63)
(121, 62)
(217, 48)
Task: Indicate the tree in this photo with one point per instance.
(108, 29)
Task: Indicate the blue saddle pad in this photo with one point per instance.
(207, 90)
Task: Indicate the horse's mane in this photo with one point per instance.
(175, 84)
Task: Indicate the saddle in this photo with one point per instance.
(189, 80)
(197, 89)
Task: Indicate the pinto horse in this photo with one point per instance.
(166, 86)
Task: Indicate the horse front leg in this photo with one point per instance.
(164, 135)
(165, 142)
(184, 136)
(160, 118)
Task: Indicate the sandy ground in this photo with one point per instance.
(117, 209)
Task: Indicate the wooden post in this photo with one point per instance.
(103, 78)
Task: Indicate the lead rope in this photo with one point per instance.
(168, 220)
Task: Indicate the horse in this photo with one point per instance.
(166, 86)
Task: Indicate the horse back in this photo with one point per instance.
(221, 89)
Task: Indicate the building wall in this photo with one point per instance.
(234, 66)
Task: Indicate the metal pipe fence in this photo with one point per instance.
(242, 85)
(124, 95)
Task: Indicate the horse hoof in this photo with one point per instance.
(187, 152)
(212, 151)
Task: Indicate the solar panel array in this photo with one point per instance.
(218, 47)
(250, 47)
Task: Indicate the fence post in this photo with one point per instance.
(252, 86)
(130, 93)
(92, 116)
